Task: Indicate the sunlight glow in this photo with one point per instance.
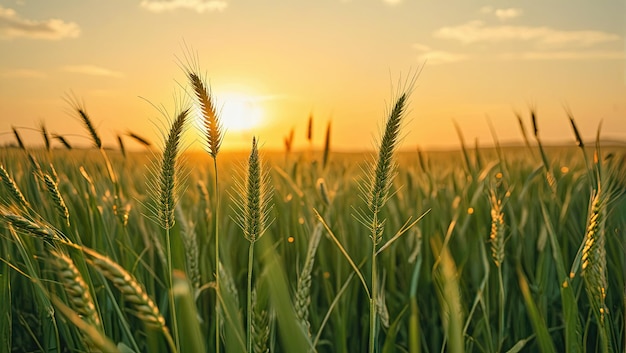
(240, 112)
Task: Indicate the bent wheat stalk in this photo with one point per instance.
(143, 306)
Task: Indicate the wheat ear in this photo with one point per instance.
(143, 306)
(496, 235)
(253, 198)
(326, 154)
(14, 190)
(57, 198)
(46, 136)
(190, 243)
(213, 133)
(260, 326)
(18, 138)
(27, 226)
(164, 183)
(76, 288)
(213, 130)
(79, 108)
(253, 214)
(376, 194)
(303, 286)
(594, 257)
(63, 141)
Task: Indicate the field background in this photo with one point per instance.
(445, 288)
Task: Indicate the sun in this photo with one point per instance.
(239, 112)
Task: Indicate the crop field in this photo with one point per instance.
(516, 249)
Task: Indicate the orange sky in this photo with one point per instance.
(276, 62)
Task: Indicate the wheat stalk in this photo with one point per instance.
(213, 134)
(376, 195)
(253, 207)
(143, 306)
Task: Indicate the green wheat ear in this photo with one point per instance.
(57, 198)
(164, 183)
(77, 290)
(14, 190)
(254, 202)
(379, 180)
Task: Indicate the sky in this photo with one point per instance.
(272, 64)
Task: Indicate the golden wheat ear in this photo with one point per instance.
(213, 131)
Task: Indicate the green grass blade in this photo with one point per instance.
(539, 325)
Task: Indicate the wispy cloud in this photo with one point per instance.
(92, 70)
(12, 25)
(506, 14)
(502, 14)
(22, 73)
(478, 31)
(566, 55)
(435, 57)
(199, 6)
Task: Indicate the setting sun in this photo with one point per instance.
(240, 112)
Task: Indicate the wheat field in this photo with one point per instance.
(504, 249)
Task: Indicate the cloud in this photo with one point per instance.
(23, 73)
(92, 70)
(476, 31)
(14, 26)
(566, 55)
(436, 57)
(199, 6)
(392, 2)
(502, 14)
(506, 14)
